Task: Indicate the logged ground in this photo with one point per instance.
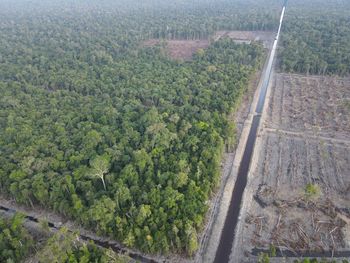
(305, 139)
(247, 36)
(180, 49)
(315, 105)
(184, 49)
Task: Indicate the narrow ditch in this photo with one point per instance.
(228, 233)
(227, 236)
(105, 244)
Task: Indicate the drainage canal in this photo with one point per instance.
(228, 233)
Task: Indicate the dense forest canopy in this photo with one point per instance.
(143, 19)
(118, 136)
(316, 37)
(154, 132)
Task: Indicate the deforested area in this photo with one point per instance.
(179, 49)
(315, 105)
(266, 37)
(297, 202)
(299, 187)
(185, 49)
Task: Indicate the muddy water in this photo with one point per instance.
(228, 233)
(224, 249)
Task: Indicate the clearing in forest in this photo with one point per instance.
(184, 49)
(299, 184)
(180, 49)
(247, 36)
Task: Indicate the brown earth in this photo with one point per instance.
(180, 49)
(305, 139)
(315, 105)
(184, 49)
(247, 36)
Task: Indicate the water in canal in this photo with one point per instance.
(228, 233)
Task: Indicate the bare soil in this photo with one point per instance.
(313, 105)
(180, 49)
(305, 139)
(266, 37)
(185, 49)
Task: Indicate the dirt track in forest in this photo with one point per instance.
(304, 139)
(35, 215)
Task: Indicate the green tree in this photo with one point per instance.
(15, 241)
(99, 168)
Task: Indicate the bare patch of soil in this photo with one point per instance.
(184, 49)
(247, 36)
(318, 105)
(305, 140)
(287, 216)
(180, 49)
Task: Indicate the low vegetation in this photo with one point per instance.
(312, 191)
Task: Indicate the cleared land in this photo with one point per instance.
(315, 105)
(180, 49)
(305, 140)
(247, 36)
(184, 49)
